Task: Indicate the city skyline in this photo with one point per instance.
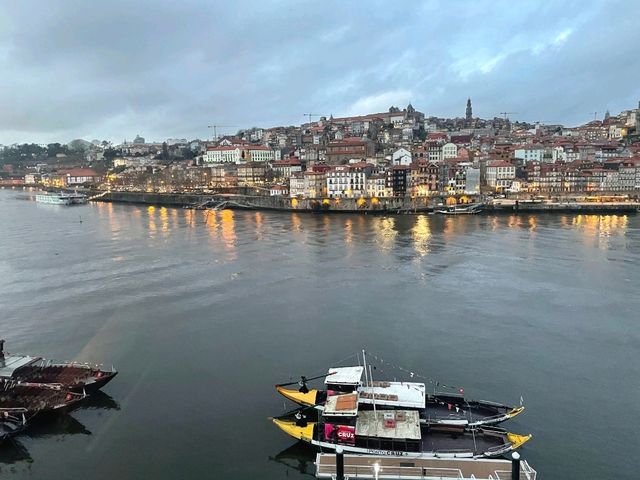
(165, 70)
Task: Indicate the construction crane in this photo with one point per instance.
(595, 115)
(215, 129)
(309, 115)
(507, 113)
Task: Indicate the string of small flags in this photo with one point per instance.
(412, 374)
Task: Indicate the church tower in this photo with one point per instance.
(469, 113)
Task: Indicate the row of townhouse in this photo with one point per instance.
(614, 176)
(361, 179)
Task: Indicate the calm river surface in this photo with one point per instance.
(203, 314)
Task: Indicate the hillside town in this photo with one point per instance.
(397, 153)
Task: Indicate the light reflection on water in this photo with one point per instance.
(421, 233)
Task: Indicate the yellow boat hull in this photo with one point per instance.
(299, 433)
(518, 440)
(306, 399)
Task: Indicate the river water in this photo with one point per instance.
(203, 313)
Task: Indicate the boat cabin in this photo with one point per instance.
(342, 405)
(343, 379)
(9, 364)
(394, 394)
(386, 394)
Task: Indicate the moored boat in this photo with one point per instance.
(12, 422)
(441, 410)
(77, 377)
(36, 398)
(62, 198)
(464, 209)
(392, 432)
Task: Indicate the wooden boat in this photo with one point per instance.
(391, 432)
(442, 410)
(36, 398)
(77, 377)
(12, 422)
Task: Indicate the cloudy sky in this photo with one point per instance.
(113, 69)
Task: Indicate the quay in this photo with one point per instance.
(399, 468)
(387, 205)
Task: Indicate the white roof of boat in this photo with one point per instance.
(344, 376)
(396, 394)
(341, 405)
(11, 363)
(398, 424)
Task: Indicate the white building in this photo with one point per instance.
(377, 186)
(530, 153)
(500, 174)
(236, 154)
(472, 183)
(402, 156)
(629, 174)
(256, 135)
(346, 182)
(227, 154)
(449, 150)
(296, 185)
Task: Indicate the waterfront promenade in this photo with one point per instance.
(388, 205)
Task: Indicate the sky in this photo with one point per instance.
(168, 69)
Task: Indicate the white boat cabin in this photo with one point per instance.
(10, 363)
(385, 394)
(344, 378)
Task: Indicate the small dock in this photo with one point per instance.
(400, 468)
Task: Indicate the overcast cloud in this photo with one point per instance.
(113, 69)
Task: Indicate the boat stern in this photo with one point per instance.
(306, 399)
(304, 433)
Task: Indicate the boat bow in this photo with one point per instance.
(290, 428)
(517, 440)
(307, 399)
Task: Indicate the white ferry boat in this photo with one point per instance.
(61, 198)
(468, 209)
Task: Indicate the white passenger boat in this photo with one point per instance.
(468, 209)
(438, 410)
(62, 198)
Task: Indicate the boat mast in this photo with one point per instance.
(373, 395)
(364, 362)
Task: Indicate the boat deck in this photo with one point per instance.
(465, 442)
(362, 466)
(470, 413)
(35, 399)
(63, 374)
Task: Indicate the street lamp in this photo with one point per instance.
(376, 470)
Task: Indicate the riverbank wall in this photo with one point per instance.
(389, 205)
(341, 205)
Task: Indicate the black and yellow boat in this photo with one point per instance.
(391, 432)
(440, 410)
